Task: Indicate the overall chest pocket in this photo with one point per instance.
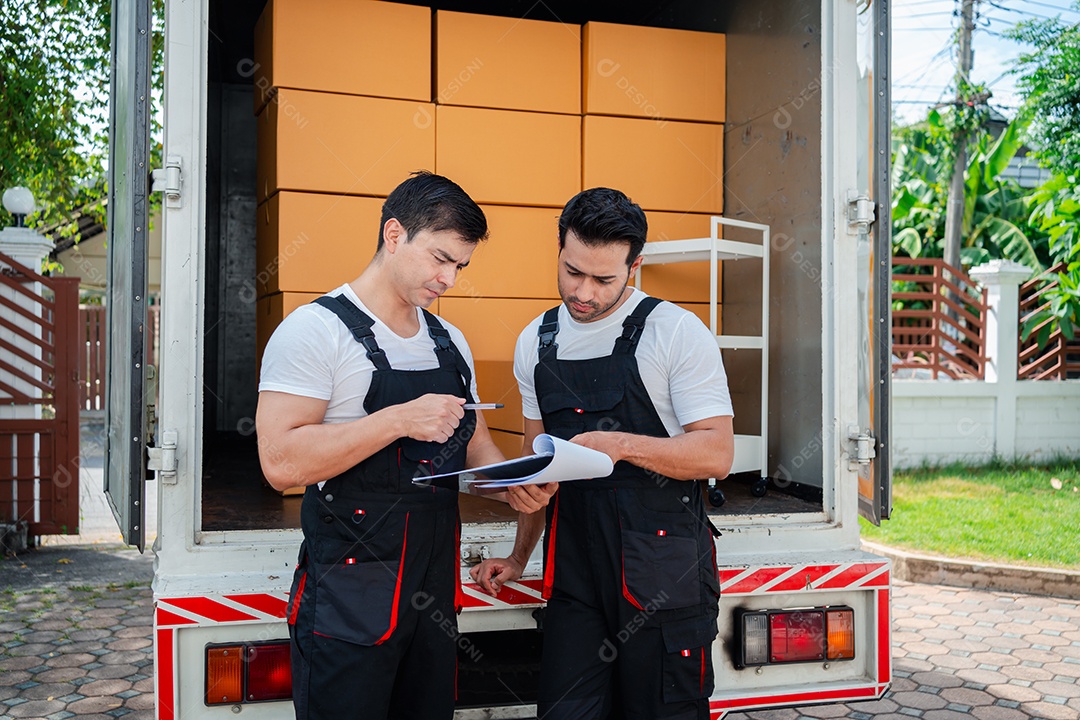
(569, 412)
(357, 566)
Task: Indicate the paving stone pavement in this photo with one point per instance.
(960, 653)
(84, 650)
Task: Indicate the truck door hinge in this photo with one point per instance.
(163, 459)
(168, 180)
(860, 210)
(861, 447)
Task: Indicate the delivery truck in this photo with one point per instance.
(755, 134)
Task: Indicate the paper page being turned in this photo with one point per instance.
(555, 460)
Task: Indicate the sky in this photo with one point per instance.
(924, 52)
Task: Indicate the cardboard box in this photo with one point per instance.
(341, 144)
(508, 157)
(679, 282)
(496, 383)
(671, 166)
(357, 47)
(491, 326)
(506, 62)
(519, 259)
(652, 72)
(270, 311)
(508, 443)
(308, 242)
(701, 310)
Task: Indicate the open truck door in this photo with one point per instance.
(872, 216)
(128, 215)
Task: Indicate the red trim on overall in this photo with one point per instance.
(164, 660)
(626, 591)
(294, 602)
(701, 685)
(622, 571)
(549, 561)
(459, 594)
(397, 586)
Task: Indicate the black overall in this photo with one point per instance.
(372, 611)
(629, 561)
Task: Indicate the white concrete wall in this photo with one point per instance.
(941, 422)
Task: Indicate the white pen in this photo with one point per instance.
(482, 406)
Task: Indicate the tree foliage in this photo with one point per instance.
(54, 85)
(54, 101)
(1048, 77)
(995, 214)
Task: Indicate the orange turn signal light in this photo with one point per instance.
(841, 628)
(224, 675)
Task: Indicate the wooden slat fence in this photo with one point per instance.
(940, 323)
(92, 338)
(39, 438)
(1058, 359)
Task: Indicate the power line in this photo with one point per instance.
(1025, 13)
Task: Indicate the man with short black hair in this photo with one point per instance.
(629, 562)
(362, 391)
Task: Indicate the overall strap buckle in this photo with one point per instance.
(634, 324)
(359, 324)
(549, 328)
(448, 354)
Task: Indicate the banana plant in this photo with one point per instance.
(995, 214)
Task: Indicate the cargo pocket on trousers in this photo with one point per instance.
(660, 569)
(357, 597)
(688, 668)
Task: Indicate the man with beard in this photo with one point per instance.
(629, 563)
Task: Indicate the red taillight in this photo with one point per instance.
(250, 672)
(766, 637)
(269, 674)
(796, 636)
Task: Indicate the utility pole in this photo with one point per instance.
(954, 209)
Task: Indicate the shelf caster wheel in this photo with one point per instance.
(760, 487)
(716, 497)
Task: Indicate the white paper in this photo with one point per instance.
(555, 460)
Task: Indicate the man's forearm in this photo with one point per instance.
(312, 453)
(529, 528)
(691, 456)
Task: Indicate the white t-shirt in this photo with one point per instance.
(677, 357)
(313, 354)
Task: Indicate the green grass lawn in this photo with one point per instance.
(1007, 513)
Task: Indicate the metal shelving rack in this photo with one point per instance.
(751, 451)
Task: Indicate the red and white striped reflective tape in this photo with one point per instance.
(214, 609)
(759, 580)
(524, 593)
(263, 607)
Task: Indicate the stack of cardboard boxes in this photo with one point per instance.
(353, 95)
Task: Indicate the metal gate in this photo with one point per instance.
(39, 425)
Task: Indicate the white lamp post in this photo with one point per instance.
(19, 242)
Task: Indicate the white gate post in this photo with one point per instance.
(26, 247)
(1002, 280)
